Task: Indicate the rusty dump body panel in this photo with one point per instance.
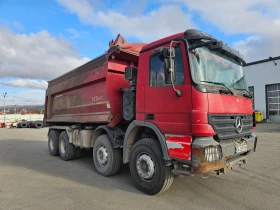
(92, 93)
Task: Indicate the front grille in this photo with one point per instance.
(224, 125)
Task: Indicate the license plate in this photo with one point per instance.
(241, 148)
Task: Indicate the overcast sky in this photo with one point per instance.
(40, 40)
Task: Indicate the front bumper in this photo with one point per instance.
(229, 156)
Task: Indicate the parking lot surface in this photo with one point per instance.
(32, 179)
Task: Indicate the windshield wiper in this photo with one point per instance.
(245, 95)
(219, 83)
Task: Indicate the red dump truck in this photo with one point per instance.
(177, 106)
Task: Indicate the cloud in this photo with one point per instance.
(255, 18)
(258, 48)
(36, 55)
(161, 22)
(240, 16)
(26, 83)
(74, 33)
(17, 25)
(26, 97)
(82, 8)
(259, 19)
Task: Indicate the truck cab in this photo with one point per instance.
(205, 114)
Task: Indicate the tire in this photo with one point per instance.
(67, 151)
(110, 165)
(79, 153)
(38, 125)
(31, 125)
(23, 125)
(147, 152)
(53, 142)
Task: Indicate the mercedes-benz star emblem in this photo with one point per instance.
(238, 125)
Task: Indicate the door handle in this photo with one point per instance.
(150, 116)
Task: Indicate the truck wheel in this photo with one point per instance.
(53, 142)
(107, 160)
(38, 125)
(79, 153)
(67, 150)
(148, 169)
(23, 125)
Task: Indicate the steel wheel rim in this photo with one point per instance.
(62, 147)
(102, 156)
(51, 144)
(145, 167)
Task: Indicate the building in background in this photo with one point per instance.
(263, 78)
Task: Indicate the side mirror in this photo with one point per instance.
(169, 64)
(130, 73)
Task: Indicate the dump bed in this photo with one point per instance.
(92, 93)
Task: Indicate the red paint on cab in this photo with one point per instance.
(179, 147)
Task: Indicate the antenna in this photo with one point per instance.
(270, 58)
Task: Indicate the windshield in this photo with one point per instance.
(214, 67)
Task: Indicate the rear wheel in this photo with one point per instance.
(67, 150)
(148, 169)
(79, 153)
(107, 160)
(53, 142)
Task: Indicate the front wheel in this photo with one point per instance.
(148, 169)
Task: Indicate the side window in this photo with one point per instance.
(157, 78)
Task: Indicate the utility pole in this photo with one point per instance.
(15, 112)
(4, 94)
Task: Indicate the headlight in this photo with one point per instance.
(213, 153)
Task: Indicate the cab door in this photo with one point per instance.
(170, 113)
